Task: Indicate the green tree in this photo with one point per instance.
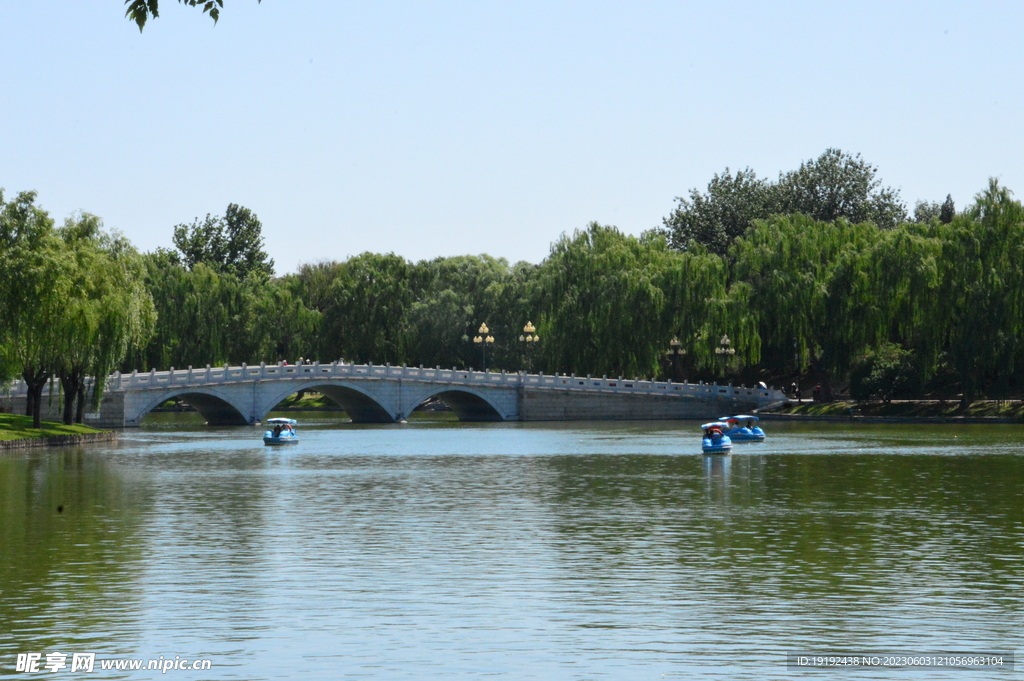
(926, 211)
(810, 281)
(839, 185)
(453, 296)
(835, 185)
(367, 307)
(232, 244)
(904, 277)
(723, 213)
(277, 325)
(197, 313)
(610, 303)
(980, 308)
(886, 372)
(108, 310)
(948, 210)
(437, 329)
(35, 279)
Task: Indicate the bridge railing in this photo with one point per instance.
(270, 372)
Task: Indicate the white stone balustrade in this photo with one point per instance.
(264, 372)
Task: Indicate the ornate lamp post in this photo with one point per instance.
(725, 351)
(530, 338)
(483, 339)
(674, 352)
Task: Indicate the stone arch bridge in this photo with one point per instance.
(385, 394)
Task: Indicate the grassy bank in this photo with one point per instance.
(16, 427)
(308, 402)
(910, 409)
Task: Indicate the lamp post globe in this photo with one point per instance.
(674, 352)
(725, 351)
(530, 337)
(483, 339)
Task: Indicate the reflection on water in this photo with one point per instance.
(558, 551)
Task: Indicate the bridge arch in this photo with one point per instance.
(468, 404)
(217, 409)
(360, 405)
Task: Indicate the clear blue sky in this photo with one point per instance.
(444, 128)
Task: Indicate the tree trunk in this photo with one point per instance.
(823, 380)
(34, 400)
(80, 412)
(37, 403)
(967, 395)
(69, 382)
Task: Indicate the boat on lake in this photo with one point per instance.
(715, 440)
(282, 432)
(743, 428)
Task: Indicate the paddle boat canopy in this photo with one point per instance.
(282, 432)
(743, 428)
(715, 440)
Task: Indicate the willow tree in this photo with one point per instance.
(197, 314)
(34, 285)
(905, 279)
(981, 310)
(277, 325)
(601, 306)
(366, 308)
(108, 310)
(611, 302)
(810, 282)
(453, 296)
(701, 308)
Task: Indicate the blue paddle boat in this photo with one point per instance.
(715, 439)
(282, 432)
(743, 428)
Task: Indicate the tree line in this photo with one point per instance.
(822, 273)
(73, 302)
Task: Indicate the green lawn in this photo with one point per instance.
(306, 402)
(910, 408)
(15, 427)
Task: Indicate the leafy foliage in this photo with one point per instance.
(835, 185)
(728, 209)
(948, 210)
(108, 312)
(980, 308)
(610, 303)
(232, 244)
(140, 11)
(885, 373)
(926, 211)
(810, 283)
(924, 305)
(72, 300)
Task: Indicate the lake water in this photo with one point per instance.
(514, 551)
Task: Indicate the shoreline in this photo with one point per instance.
(769, 416)
(899, 411)
(59, 440)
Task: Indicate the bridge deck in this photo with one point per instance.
(395, 388)
(222, 375)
